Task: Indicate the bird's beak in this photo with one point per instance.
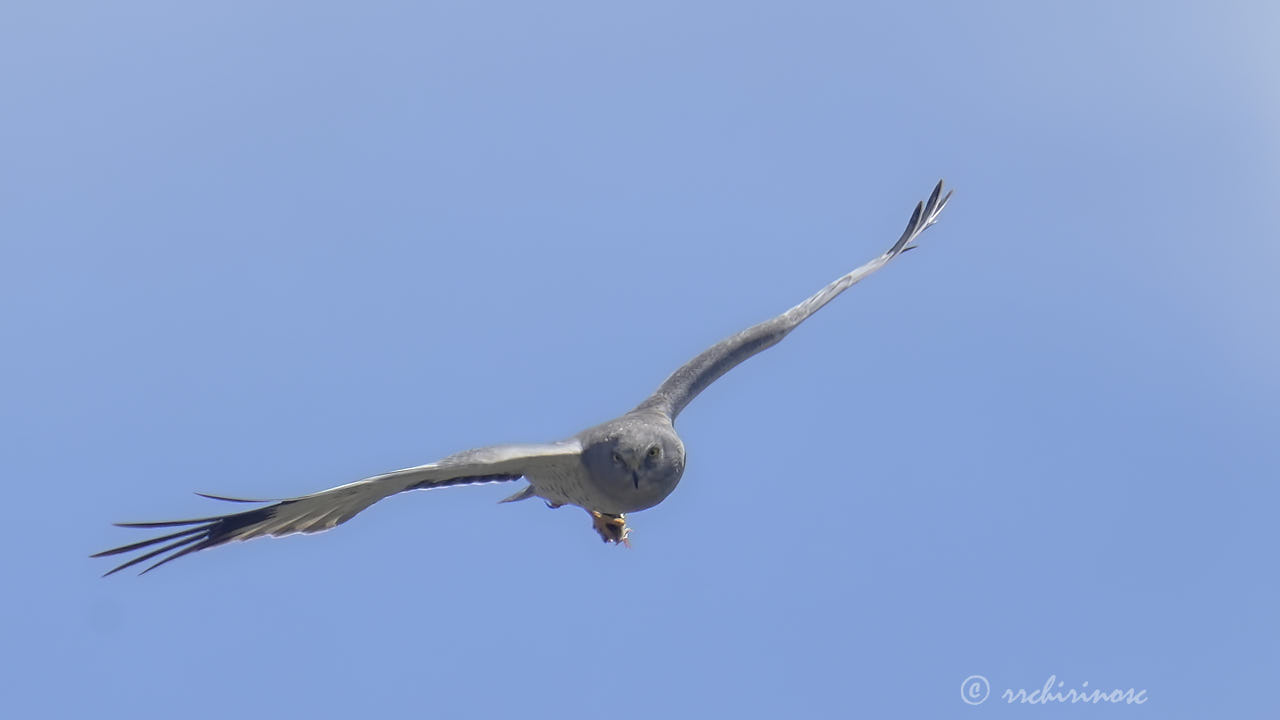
(635, 478)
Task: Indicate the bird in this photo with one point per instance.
(625, 465)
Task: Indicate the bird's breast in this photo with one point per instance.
(599, 492)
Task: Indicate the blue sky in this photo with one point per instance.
(266, 250)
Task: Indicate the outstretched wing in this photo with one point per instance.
(694, 377)
(329, 508)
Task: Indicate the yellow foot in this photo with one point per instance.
(612, 528)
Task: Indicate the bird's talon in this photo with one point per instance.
(612, 528)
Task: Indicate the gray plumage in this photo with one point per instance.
(627, 464)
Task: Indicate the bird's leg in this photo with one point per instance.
(612, 528)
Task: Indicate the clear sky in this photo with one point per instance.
(267, 248)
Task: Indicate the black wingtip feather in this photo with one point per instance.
(208, 533)
(910, 231)
(234, 500)
(145, 543)
(180, 553)
(153, 553)
(168, 523)
(943, 204)
(937, 201)
(932, 205)
(924, 215)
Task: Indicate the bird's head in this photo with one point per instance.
(636, 462)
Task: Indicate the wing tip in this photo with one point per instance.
(925, 214)
(207, 533)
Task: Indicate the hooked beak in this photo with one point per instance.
(635, 478)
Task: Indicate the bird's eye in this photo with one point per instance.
(617, 458)
(653, 451)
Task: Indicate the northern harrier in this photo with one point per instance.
(625, 465)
